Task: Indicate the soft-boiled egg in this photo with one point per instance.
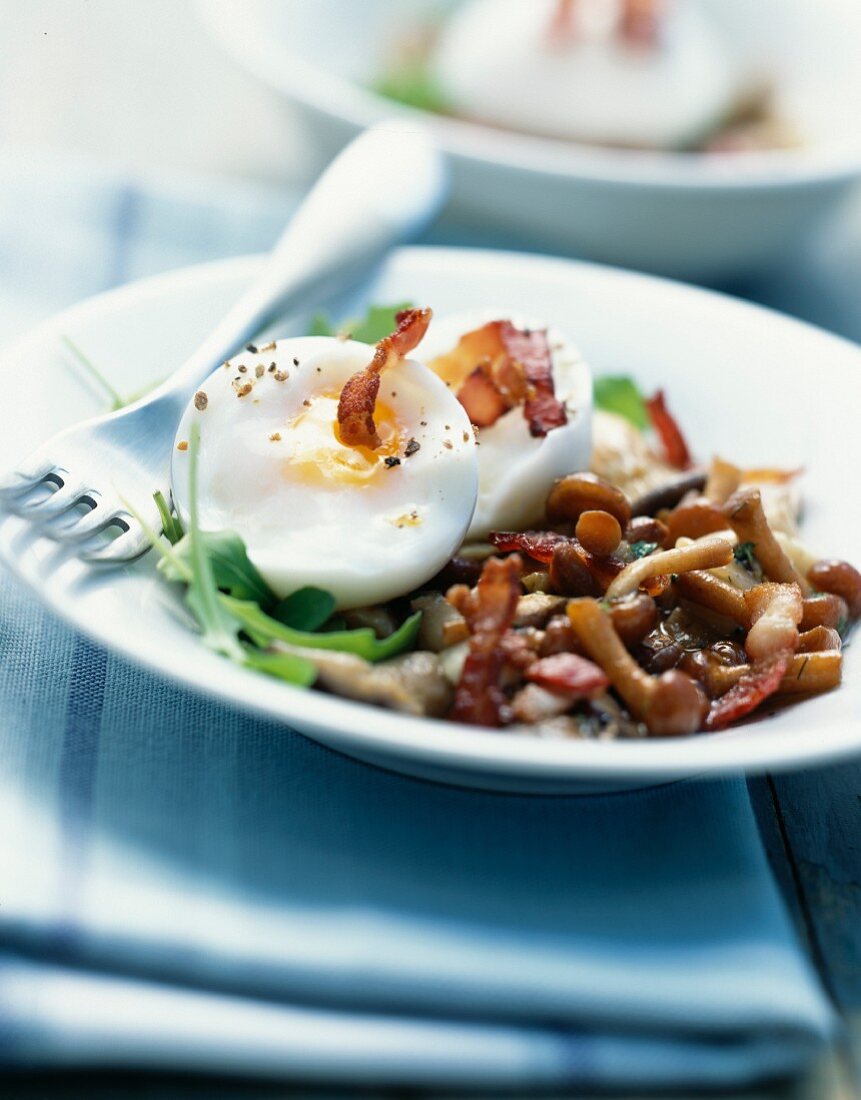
(502, 62)
(366, 524)
(517, 465)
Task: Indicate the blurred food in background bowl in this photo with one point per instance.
(710, 144)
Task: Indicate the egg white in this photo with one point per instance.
(516, 469)
(494, 63)
(310, 510)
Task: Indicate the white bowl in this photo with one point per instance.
(686, 215)
(749, 383)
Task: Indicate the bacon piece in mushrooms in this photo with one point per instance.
(489, 611)
(356, 426)
(757, 684)
(549, 547)
(538, 545)
(569, 673)
(673, 443)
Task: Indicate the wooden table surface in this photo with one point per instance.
(810, 823)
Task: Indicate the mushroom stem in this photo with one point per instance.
(669, 705)
(723, 480)
(819, 639)
(808, 673)
(775, 612)
(710, 591)
(811, 673)
(747, 518)
(706, 553)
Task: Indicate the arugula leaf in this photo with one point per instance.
(320, 326)
(263, 629)
(283, 666)
(414, 86)
(378, 322)
(642, 549)
(619, 394)
(218, 622)
(220, 628)
(170, 523)
(231, 567)
(305, 609)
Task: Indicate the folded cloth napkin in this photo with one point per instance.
(183, 886)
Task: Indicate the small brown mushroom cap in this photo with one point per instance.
(840, 579)
(575, 494)
(678, 705)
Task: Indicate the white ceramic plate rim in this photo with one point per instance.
(233, 25)
(443, 746)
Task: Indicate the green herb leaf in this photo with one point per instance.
(231, 567)
(619, 394)
(305, 609)
(263, 629)
(320, 326)
(219, 626)
(414, 86)
(744, 555)
(378, 322)
(165, 552)
(170, 524)
(283, 666)
(642, 549)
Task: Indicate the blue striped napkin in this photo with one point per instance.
(186, 887)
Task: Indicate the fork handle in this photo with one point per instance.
(380, 191)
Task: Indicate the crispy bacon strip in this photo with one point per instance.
(670, 434)
(482, 399)
(538, 545)
(498, 367)
(567, 672)
(758, 683)
(542, 408)
(641, 23)
(542, 546)
(479, 699)
(356, 426)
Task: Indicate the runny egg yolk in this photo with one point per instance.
(317, 455)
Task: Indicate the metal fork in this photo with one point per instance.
(382, 189)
